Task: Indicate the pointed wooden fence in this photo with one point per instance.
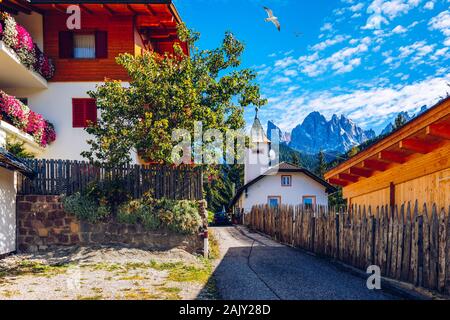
(56, 177)
(410, 244)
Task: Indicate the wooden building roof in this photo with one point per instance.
(159, 16)
(420, 136)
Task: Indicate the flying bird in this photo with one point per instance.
(272, 18)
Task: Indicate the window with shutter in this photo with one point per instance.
(65, 44)
(84, 111)
(83, 45)
(101, 45)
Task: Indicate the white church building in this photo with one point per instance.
(268, 182)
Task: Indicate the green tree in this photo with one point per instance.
(322, 165)
(17, 148)
(170, 92)
(336, 200)
(296, 159)
(353, 151)
(221, 186)
(399, 121)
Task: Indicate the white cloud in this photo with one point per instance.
(280, 80)
(327, 27)
(418, 50)
(342, 61)
(357, 7)
(429, 5)
(441, 22)
(384, 11)
(375, 21)
(329, 42)
(381, 103)
(399, 29)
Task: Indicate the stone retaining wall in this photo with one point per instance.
(42, 223)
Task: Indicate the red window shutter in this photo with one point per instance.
(83, 111)
(91, 111)
(101, 44)
(78, 113)
(66, 44)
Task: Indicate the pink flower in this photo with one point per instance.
(18, 114)
(43, 64)
(49, 134)
(24, 39)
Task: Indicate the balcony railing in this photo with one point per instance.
(27, 121)
(16, 39)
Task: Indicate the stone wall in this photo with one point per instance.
(42, 223)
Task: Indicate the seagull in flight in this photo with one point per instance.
(272, 18)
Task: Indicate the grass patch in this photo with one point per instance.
(96, 297)
(140, 294)
(189, 274)
(210, 216)
(110, 267)
(135, 277)
(214, 251)
(171, 293)
(97, 290)
(28, 267)
(10, 293)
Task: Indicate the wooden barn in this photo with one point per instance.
(412, 163)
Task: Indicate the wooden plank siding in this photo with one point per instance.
(121, 39)
(425, 178)
(410, 243)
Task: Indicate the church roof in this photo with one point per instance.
(283, 167)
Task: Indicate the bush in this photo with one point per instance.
(180, 216)
(85, 208)
(111, 192)
(137, 211)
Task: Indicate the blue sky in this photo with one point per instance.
(367, 60)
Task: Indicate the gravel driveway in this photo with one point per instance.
(105, 272)
(255, 267)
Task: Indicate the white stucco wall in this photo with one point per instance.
(7, 211)
(302, 185)
(256, 163)
(55, 104)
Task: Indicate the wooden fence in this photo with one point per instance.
(56, 177)
(410, 244)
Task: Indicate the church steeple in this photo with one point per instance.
(257, 158)
(257, 134)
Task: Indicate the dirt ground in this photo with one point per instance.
(107, 272)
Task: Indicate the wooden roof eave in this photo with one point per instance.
(401, 138)
(17, 6)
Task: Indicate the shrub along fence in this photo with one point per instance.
(408, 244)
(56, 177)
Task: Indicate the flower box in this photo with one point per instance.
(18, 114)
(18, 39)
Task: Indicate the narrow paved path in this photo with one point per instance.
(255, 267)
